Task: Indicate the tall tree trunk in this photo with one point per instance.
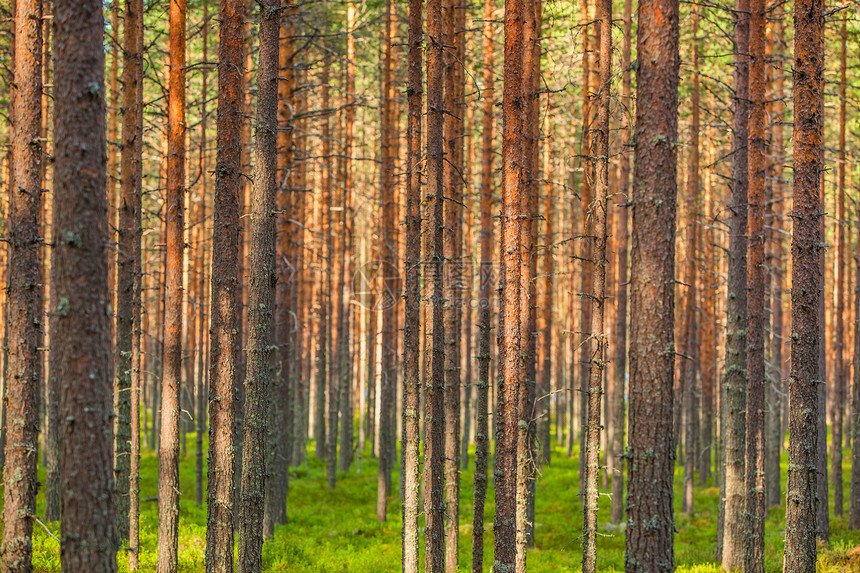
(24, 307)
(756, 509)
(324, 343)
(651, 526)
(128, 305)
(387, 269)
(412, 294)
(434, 544)
(734, 380)
(454, 17)
(226, 292)
(168, 466)
(279, 439)
(806, 253)
(596, 349)
(81, 288)
(261, 296)
(511, 382)
(690, 362)
(839, 366)
(199, 391)
(620, 357)
(854, 496)
(775, 436)
(586, 247)
(482, 430)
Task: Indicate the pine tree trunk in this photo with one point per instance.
(434, 509)
(482, 429)
(226, 292)
(689, 365)
(775, 437)
(324, 344)
(81, 290)
(412, 295)
(651, 526)
(511, 381)
(387, 269)
(261, 297)
(24, 313)
(839, 366)
(854, 496)
(734, 378)
(127, 354)
(454, 17)
(596, 350)
(168, 469)
(279, 439)
(807, 253)
(620, 351)
(756, 509)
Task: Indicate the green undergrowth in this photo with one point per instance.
(338, 530)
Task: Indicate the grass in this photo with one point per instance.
(338, 531)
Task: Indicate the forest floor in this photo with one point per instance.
(338, 531)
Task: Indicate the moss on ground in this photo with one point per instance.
(338, 531)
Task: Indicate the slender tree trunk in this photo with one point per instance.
(620, 357)
(226, 292)
(774, 441)
(200, 392)
(597, 349)
(651, 525)
(511, 382)
(24, 307)
(839, 366)
(168, 468)
(261, 295)
(388, 270)
(734, 380)
(585, 233)
(807, 253)
(434, 544)
(324, 344)
(690, 362)
(755, 512)
(544, 393)
(279, 439)
(412, 294)
(854, 497)
(127, 355)
(81, 289)
(482, 430)
(454, 16)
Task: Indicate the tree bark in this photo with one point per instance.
(482, 429)
(434, 510)
(226, 293)
(651, 526)
(807, 253)
(513, 218)
(24, 313)
(839, 367)
(412, 294)
(620, 357)
(596, 349)
(261, 296)
(81, 290)
(127, 355)
(454, 18)
(730, 552)
(755, 508)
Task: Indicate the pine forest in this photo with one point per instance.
(430, 285)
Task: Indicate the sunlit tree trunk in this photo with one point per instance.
(23, 312)
(596, 349)
(807, 253)
(730, 551)
(81, 289)
(651, 525)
